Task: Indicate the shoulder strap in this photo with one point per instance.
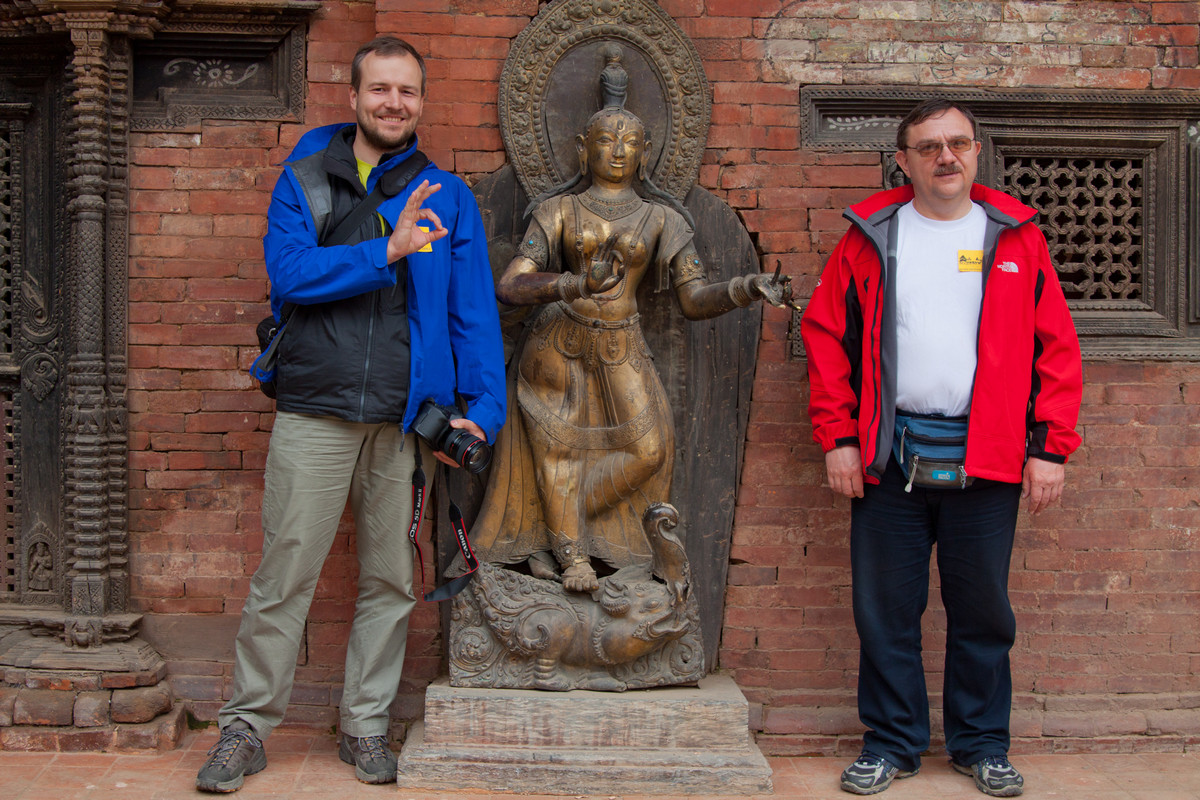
(318, 194)
(389, 184)
(314, 183)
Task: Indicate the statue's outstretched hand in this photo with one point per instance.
(776, 290)
(408, 237)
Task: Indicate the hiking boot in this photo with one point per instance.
(871, 774)
(373, 761)
(993, 776)
(237, 753)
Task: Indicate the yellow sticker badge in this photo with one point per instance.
(970, 261)
(428, 248)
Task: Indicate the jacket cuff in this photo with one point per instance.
(836, 434)
(378, 250)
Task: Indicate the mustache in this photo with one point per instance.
(949, 169)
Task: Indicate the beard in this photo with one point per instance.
(386, 143)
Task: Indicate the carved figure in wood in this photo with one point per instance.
(41, 568)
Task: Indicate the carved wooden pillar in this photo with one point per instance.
(67, 105)
(87, 517)
(116, 314)
(65, 623)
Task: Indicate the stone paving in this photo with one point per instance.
(303, 763)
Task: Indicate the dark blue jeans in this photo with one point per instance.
(892, 536)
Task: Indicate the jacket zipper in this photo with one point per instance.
(362, 389)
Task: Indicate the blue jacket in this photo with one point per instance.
(453, 322)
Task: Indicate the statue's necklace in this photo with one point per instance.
(609, 210)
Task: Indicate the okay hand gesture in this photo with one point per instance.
(409, 237)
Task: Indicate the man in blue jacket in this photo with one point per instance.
(403, 312)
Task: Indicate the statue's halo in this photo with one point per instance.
(550, 87)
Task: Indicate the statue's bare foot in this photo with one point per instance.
(541, 565)
(580, 578)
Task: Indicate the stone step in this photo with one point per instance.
(673, 740)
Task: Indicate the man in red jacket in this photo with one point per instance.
(945, 382)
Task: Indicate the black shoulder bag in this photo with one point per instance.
(268, 331)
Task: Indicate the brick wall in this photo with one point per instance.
(1106, 586)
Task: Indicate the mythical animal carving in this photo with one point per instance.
(564, 640)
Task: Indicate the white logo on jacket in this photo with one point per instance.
(1007, 266)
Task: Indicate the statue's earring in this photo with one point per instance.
(581, 148)
(645, 159)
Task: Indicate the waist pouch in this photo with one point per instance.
(931, 450)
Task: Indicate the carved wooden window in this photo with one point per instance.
(1114, 179)
(1092, 210)
(222, 66)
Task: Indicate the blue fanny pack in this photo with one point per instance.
(931, 450)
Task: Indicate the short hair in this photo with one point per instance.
(934, 107)
(384, 46)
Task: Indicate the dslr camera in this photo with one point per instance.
(433, 425)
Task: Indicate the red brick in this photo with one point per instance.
(1176, 35)
(89, 740)
(1169, 78)
(44, 707)
(1174, 13)
(221, 134)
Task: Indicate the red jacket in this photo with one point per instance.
(1028, 377)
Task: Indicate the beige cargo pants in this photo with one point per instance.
(314, 465)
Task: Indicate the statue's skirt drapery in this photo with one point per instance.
(593, 423)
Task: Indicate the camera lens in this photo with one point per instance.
(471, 452)
(478, 456)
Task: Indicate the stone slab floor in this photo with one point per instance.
(303, 764)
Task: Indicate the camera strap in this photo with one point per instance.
(419, 493)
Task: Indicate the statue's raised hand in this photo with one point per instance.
(408, 237)
(606, 268)
(776, 290)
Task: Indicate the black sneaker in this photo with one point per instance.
(871, 774)
(993, 776)
(373, 761)
(237, 753)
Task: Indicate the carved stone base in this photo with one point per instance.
(58, 696)
(675, 740)
(163, 733)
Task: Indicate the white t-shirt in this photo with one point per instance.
(939, 288)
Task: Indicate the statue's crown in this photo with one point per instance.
(614, 80)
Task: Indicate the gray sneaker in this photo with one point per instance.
(373, 761)
(871, 774)
(237, 753)
(993, 776)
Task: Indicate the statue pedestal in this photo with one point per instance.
(672, 740)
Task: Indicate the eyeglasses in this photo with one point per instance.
(957, 145)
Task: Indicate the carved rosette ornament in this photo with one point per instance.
(569, 36)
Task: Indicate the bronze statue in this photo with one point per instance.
(591, 401)
(578, 496)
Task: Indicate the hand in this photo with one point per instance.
(775, 290)
(606, 269)
(461, 423)
(1042, 482)
(408, 237)
(843, 466)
